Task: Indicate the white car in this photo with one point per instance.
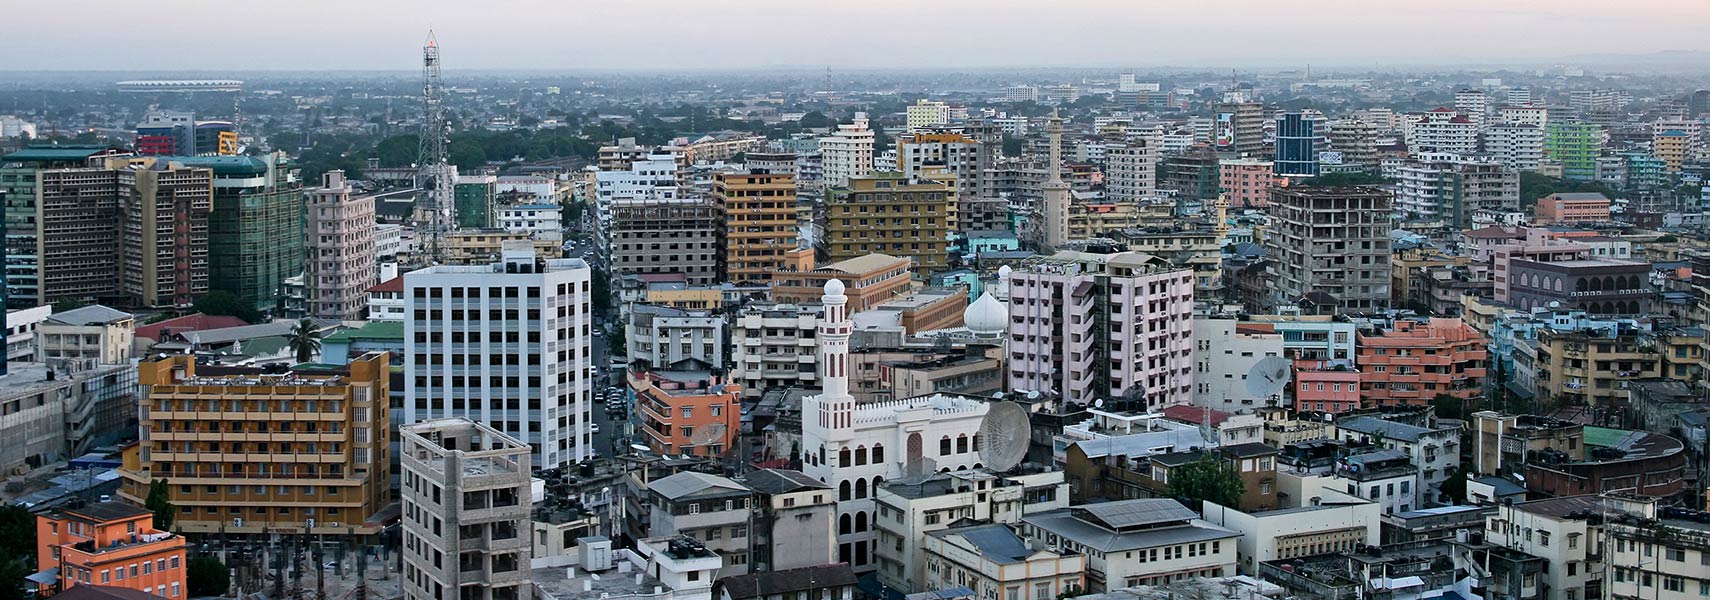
(593, 427)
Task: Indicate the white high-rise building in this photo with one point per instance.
(504, 344)
(854, 448)
(1516, 146)
(847, 152)
(1225, 353)
(1130, 170)
(1474, 104)
(340, 267)
(1443, 130)
(1536, 116)
(926, 113)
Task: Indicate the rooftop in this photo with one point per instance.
(781, 481)
(788, 582)
(1567, 507)
(103, 512)
(1061, 522)
(995, 541)
(1381, 428)
(689, 484)
(94, 314)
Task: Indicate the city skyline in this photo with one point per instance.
(382, 35)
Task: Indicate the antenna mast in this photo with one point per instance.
(437, 176)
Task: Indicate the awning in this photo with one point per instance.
(48, 577)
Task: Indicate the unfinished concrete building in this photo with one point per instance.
(466, 512)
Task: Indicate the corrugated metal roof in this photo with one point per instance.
(689, 483)
(1141, 511)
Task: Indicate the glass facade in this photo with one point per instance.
(1298, 142)
(255, 235)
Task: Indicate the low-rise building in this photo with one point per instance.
(687, 412)
(910, 509)
(672, 338)
(1136, 542)
(94, 333)
(1434, 451)
(1414, 362)
(819, 582)
(794, 521)
(709, 509)
(56, 411)
(1310, 521)
(107, 544)
(994, 561)
(870, 279)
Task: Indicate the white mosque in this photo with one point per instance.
(855, 447)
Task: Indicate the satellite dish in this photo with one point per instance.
(1268, 376)
(707, 435)
(1099, 403)
(1004, 436)
(919, 465)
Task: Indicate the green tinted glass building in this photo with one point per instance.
(255, 235)
(1575, 146)
(474, 198)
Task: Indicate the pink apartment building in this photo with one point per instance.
(1328, 389)
(1090, 326)
(1247, 182)
(1562, 209)
(340, 268)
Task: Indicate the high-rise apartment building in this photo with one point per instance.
(255, 233)
(163, 234)
(1246, 182)
(167, 133)
(926, 150)
(1131, 171)
(759, 223)
(892, 214)
(340, 240)
(466, 501)
(1443, 130)
(847, 152)
(126, 231)
(1575, 146)
(1517, 146)
(1330, 246)
(1101, 326)
(21, 178)
(1673, 147)
(1355, 140)
(1239, 127)
(1413, 362)
(1452, 188)
(507, 345)
(249, 452)
(682, 235)
(1299, 139)
(1474, 104)
(927, 113)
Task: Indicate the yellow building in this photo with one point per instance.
(1591, 367)
(890, 214)
(694, 298)
(1672, 147)
(481, 246)
(248, 452)
(760, 223)
(1099, 219)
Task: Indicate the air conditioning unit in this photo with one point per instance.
(237, 522)
(309, 523)
(335, 524)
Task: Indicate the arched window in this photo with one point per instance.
(843, 457)
(860, 489)
(878, 454)
(1609, 283)
(877, 481)
(961, 444)
(944, 446)
(1558, 282)
(843, 491)
(1579, 286)
(860, 455)
(843, 524)
(860, 522)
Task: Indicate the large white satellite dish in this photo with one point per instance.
(1004, 436)
(1268, 377)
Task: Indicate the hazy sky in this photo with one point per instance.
(529, 34)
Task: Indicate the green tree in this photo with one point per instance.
(305, 340)
(207, 576)
(1013, 146)
(615, 345)
(13, 570)
(17, 532)
(1206, 479)
(1455, 487)
(814, 120)
(224, 303)
(602, 292)
(160, 501)
(467, 154)
(398, 150)
(1343, 180)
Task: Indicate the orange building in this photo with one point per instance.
(868, 280)
(1571, 208)
(684, 412)
(109, 543)
(1415, 361)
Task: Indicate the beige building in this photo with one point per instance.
(340, 267)
(92, 332)
(484, 246)
(760, 223)
(1587, 367)
(995, 562)
(869, 279)
(248, 452)
(893, 215)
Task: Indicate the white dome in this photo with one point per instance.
(986, 316)
(834, 288)
(1003, 272)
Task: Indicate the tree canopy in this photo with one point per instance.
(224, 303)
(207, 576)
(160, 501)
(1534, 186)
(1206, 479)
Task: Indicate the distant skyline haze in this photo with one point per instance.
(205, 35)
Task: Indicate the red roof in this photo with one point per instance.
(195, 322)
(1442, 109)
(394, 285)
(1459, 119)
(1194, 414)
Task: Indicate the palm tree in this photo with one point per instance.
(305, 340)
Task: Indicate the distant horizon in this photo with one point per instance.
(671, 36)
